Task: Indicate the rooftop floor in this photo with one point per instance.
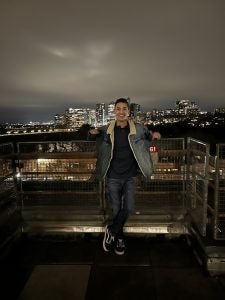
(157, 267)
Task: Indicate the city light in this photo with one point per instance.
(74, 118)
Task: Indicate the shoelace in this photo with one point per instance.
(120, 243)
(110, 238)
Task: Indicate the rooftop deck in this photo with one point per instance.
(49, 189)
(61, 268)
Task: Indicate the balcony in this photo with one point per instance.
(51, 188)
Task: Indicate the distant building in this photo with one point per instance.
(60, 120)
(135, 110)
(76, 117)
(111, 115)
(220, 110)
(100, 114)
(92, 117)
(187, 107)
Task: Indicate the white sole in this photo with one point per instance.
(119, 253)
(103, 244)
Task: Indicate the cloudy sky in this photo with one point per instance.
(56, 54)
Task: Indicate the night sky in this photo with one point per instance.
(56, 54)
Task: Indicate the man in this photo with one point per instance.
(122, 149)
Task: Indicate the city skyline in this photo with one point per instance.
(178, 108)
(59, 54)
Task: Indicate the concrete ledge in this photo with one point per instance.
(148, 228)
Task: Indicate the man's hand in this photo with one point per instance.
(155, 135)
(94, 131)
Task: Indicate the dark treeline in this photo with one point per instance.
(210, 134)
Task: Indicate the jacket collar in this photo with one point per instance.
(112, 124)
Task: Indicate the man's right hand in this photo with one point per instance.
(155, 135)
(94, 131)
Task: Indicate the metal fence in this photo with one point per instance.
(197, 183)
(160, 200)
(9, 207)
(58, 189)
(58, 186)
(217, 188)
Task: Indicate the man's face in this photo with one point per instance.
(121, 111)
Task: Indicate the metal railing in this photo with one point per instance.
(197, 182)
(58, 190)
(217, 187)
(10, 217)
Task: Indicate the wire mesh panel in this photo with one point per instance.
(197, 183)
(6, 149)
(7, 186)
(161, 198)
(9, 209)
(211, 195)
(164, 193)
(56, 187)
(219, 207)
(6, 172)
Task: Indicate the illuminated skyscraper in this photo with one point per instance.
(187, 107)
(111, 115)
(92, 117)
(135, 109)
(76, 117)
(100, 114)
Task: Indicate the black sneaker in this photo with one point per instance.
(108, 240)
(120, 247)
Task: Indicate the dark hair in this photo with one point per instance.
(122, 100)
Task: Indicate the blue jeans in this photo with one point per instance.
(121, 193)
